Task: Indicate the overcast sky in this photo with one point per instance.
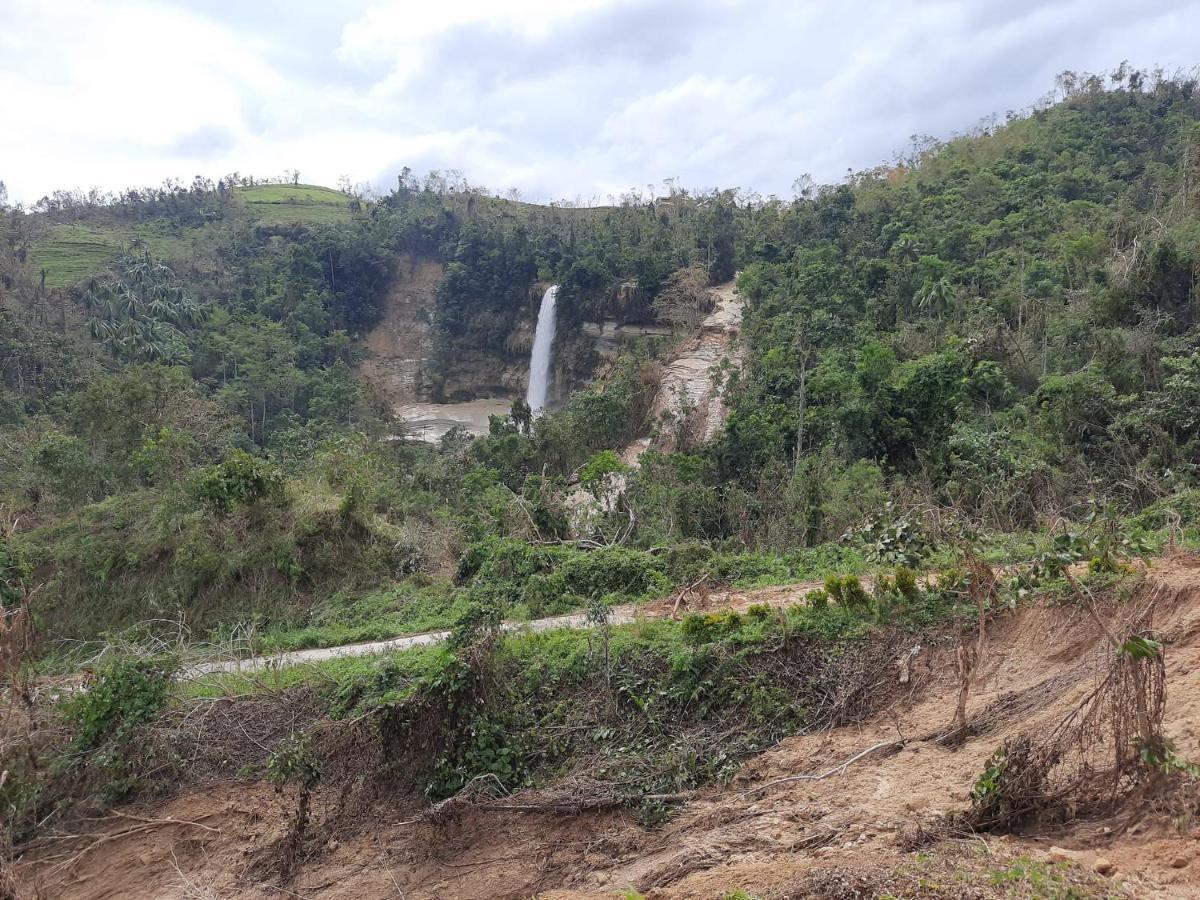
(577, 99)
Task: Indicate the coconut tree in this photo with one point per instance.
(936, 297)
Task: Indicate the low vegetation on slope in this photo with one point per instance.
(303, 204)
(639, 712)
(631, 720)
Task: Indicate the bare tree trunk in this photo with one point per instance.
(803, 406)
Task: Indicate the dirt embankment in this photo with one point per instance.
(844, 830)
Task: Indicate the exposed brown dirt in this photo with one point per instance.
(855, 832)
(400, 346)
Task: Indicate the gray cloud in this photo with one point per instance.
(581, 99)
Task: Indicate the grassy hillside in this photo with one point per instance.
(305, 204)
(72, 251)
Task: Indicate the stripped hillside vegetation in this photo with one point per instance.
(959, 414)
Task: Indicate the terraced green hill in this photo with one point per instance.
(69, 252)
(306, 204)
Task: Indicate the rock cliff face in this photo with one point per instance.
(399, 361)
(690, 405)
(400, 348)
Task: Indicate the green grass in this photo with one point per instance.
(346, 618)
(305, 204)
(415, 661)
(73, 252)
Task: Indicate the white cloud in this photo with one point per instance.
(559, 99)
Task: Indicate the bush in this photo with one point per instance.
(684, 562)
(847, 591)
(238, 479)
(126, 693)
(614, 570)
(705, 628)
(906, 584)
(594, 474)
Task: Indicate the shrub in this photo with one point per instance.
(594, 474)
(853, 595)
(238, 479)
(126, 693)
(14, 570)
(705, 628)
(293, 762)
(683, 562)
(848, 591)
(614, 570)
(895, 539)
(906, 584)
(833, 588)
(546, 594)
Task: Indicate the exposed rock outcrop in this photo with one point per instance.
(690, 405)
(400, 347)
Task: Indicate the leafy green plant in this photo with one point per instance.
(123, 694)
(237, 480)
(293, 762)
(596, 471)
(892, 538)
(987, 785)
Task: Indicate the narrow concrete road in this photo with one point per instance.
(777, 596)
(620, 615)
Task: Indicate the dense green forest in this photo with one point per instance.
(995, 335)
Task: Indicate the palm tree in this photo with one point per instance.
(136, 314)
(936, 296)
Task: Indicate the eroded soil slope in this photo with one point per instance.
(853, 832)
(692, 388)
(400, 346)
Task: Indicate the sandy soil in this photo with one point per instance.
(837, 836)
(430, 421)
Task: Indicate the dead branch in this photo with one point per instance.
(891, 746)
(147, 825)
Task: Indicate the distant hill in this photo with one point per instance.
(307, 204)
(70, 251)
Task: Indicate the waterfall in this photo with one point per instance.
(543, 344)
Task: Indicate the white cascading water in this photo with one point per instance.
(543, 345)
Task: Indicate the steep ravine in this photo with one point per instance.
(400, 362)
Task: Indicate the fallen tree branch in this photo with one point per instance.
(147, 825)
(581, 805)
(841, 767)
